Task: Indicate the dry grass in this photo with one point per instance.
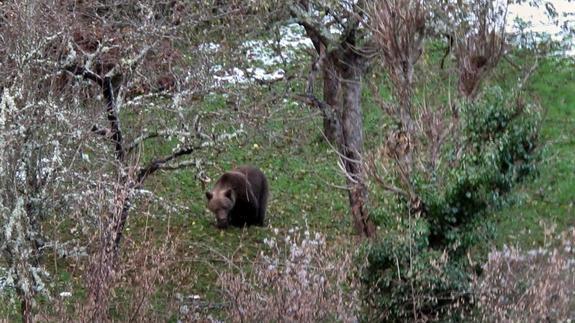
(299, 278)
(127, 293)
(533, 286)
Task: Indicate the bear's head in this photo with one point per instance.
(221, 202)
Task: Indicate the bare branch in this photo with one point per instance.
(312, 26)
(105, 132)
(160, 163)
(325, 108)
(399, 30)
(113, 118)
(480, 46)
(132, 63)
(85, 73)
(179, 165)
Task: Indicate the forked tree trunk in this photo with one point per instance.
(342, 67)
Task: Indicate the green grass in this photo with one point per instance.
(304, 177)
(548, 200)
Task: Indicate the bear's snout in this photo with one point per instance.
(222, 224)
(222, 220)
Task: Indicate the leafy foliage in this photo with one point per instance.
(421, 269)
(499, 135)
(410, 280)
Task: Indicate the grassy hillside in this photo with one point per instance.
(304, 179)
(306, 193)
(305, 187)
(546, 201)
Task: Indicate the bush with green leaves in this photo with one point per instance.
(421, 269)
(409, 280)
(499, 134)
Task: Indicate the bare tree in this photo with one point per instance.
(400, 27)
(88, 88)
(399, 31)
(35, 144)
(29, 166)
(476, 36)
(480, 41)
(342, 58)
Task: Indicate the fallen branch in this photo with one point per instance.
(160, 163)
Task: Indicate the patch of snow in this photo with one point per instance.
(216, 68)
(239, 76)
(209, 47)
(261, 51)
(266, 53)
(538, 19)
(194, 297)
(292, 39)
(261, 74)
(236, 76)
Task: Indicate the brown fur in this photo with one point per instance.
(239, 197)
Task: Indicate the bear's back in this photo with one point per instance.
(257, 180)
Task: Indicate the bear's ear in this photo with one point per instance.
(229, 193)
(209, 195)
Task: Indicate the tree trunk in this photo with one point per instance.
(26, 309)
(342, 77)
(405, 114)
(332, 96)
(343, 66)
(103, 268)
(352, 130)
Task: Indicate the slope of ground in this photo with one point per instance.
(546, 203)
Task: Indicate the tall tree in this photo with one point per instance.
(343, 56)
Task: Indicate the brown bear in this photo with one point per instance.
(239, 198)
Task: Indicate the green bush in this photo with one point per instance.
(420, 269)
(499, 134)
(409, 280)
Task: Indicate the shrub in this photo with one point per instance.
(421, 270)
(536, 285)
(409, 280)
(134, 288)
(297, 279)
(499, 134)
